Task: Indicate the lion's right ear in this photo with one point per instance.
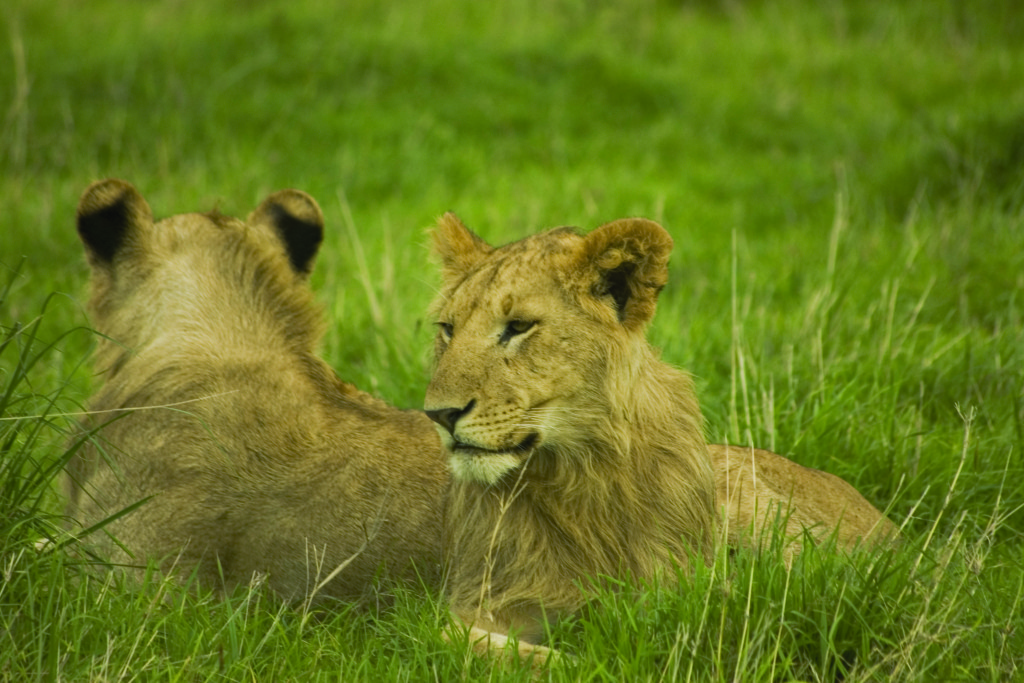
(296, 219)
(458, 247)
(626, 262)
(109, 212)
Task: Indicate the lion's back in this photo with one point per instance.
(219, 442)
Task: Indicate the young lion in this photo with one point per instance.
(251, 456)
(575, 452)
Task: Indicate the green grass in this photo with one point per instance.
(845, 185)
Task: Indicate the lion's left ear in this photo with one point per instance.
(627, 262)
(458, 247)
(112, 215)
(296, 219)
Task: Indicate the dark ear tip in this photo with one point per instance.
(106, 210)
(297, 220)
(295, 203)
(103, 194)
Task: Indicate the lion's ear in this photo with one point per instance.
(627, 262)
(458, 247)
(109, 213)
(296, 219)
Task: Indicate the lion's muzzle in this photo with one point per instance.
(448, 417)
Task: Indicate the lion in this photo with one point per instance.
(234, 448)
(575, 453)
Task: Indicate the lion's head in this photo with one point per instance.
(151, 277)
(539, 342)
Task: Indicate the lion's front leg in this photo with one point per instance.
(495, 638)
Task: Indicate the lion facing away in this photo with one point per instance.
(575, 452)
(251, 456)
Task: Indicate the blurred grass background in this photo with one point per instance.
(843, 180)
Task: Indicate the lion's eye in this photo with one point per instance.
(514, 328)
(446, 330)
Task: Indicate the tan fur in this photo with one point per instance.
(759, 489)
(601, 464)
(575, 452)
(254, 456)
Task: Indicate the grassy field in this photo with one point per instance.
(845, 185)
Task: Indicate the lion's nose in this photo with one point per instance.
(447, 417)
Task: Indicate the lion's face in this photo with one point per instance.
(531, 336)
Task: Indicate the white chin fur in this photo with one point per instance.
(485, 469)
